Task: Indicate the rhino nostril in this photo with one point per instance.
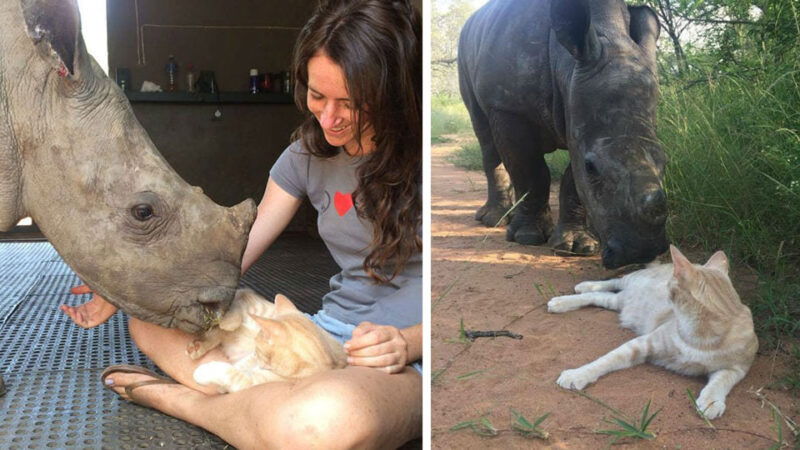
(612, 253)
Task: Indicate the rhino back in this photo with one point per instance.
(503, 51)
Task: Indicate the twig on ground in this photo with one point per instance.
(471, 335)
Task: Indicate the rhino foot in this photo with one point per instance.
(490, 215)
(574, 242)
(529, 233)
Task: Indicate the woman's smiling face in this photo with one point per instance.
(329, 101)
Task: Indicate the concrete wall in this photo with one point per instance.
(229, 158)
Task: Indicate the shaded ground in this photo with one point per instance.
(491, 284)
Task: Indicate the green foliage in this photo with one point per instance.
(468, 157)
(733, 179)
(730, 125)
(448, 116)
(482, 426)
(527, 428)
(631, 428)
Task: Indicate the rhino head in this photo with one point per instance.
(616, 159)
(74, 157)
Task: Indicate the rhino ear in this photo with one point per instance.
(56, 24)
(572, 24)
(644, 28)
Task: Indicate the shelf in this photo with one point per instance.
(222, 97)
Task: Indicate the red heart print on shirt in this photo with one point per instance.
(342, 202)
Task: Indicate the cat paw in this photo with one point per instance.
(558, 305)
(574, 379)
(586, 286)
(710, 407)
(195, 349)
(208, 373)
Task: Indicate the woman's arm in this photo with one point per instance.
(413, 336)
(274, 213)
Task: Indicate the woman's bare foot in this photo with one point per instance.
(92, 313)
(145, 388)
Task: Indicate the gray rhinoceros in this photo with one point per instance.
(538, 75)
(75, 159)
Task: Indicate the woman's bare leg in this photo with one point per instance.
(350, 408)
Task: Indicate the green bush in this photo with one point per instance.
(448, 116)
(733, 180)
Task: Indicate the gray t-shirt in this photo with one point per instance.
(354, 296)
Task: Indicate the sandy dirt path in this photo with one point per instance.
(492, 284)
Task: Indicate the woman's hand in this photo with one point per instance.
(382, 347)
(92, 313)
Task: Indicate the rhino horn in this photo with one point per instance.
(55, 26)
(644, 28)
(572, 24)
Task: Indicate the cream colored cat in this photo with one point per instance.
(265, 342)
(689, 320)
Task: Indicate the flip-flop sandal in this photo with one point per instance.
(127, 368)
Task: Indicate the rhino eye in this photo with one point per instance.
(591, 168)
(142, 212)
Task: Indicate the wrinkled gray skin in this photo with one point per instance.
(74, 158)
(579, 75)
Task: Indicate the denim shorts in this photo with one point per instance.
(343, 331)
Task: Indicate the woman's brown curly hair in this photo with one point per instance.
(378, 45)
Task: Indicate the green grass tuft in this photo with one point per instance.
(527, 428)
(627, 428)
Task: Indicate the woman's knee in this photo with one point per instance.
(327, 415)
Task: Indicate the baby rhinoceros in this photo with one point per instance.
(689, 320)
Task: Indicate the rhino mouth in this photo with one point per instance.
(618, 252)
(203, 312)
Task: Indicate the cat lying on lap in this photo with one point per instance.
(264, 342)
(689, 320)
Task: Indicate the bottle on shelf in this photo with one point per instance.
(254, 81)
(172, 74)
(287, 83)
(190, 78)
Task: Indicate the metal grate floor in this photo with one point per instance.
(51, 367)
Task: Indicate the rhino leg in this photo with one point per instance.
(572, 235)
(518, 143)
(498, 186)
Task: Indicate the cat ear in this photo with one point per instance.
(683, 267)
(269, 327)
(718, 261)
(284, 305)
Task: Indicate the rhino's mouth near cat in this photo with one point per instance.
(202, 313)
